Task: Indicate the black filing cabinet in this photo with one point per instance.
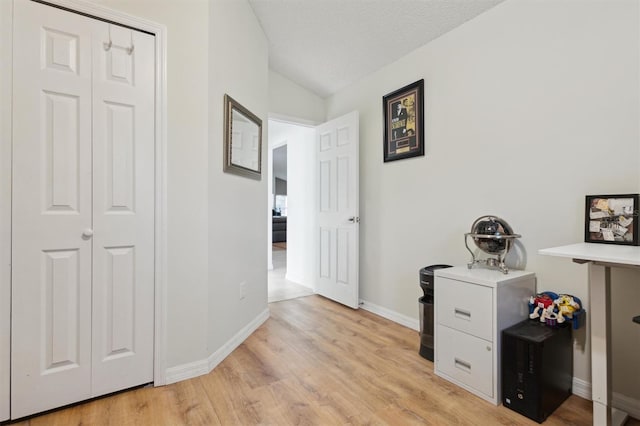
(537, 368)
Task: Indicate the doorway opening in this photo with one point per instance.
(290, 171)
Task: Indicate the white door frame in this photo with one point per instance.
(6, 64)
(160, 33)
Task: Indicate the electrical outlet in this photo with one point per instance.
(243, 290)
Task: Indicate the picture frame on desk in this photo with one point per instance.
(611, 219)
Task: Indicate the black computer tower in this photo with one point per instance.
(537, 368)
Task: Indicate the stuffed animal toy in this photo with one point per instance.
(540, 303)
(547, 312)
(554, 309)
(567, 306)
(549, 316)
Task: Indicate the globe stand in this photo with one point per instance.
(491, 262)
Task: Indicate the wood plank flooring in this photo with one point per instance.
(314, 362)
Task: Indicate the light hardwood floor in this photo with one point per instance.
(314, 362)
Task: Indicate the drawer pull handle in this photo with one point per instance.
(461, 313)
(463, 365)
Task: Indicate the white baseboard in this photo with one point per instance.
(186, 371)
(218, 356)
(628, 405)
(624, 403)
(399, 318)
(581, 388)
(201, 367)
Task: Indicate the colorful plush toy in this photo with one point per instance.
(549, 315)
(540, 303)
(553, 309)
(566, 306)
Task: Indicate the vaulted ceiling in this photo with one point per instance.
(325, 45)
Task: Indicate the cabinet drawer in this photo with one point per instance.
(465, 358)
(464, 306)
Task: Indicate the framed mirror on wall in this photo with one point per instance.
(242, 140)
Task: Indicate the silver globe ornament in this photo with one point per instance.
(493, 236)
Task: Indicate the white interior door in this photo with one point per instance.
(338, 199)
(51, 259)
(82, 227)
(123, 208)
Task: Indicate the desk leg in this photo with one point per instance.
(600, 324)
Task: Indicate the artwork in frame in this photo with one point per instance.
(611, 219)
(242, 140)
(404, 122)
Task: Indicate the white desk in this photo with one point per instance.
(601, 257)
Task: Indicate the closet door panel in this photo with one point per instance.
(83, 208)
(123, 194)
(51, 257)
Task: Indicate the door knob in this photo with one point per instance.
(87, 233)
(354, 219)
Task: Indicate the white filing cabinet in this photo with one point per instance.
(472, 307)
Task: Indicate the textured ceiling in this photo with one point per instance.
(325, 45)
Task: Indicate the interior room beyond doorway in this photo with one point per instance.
(290, 195)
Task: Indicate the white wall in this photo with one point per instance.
(238, 213)
(529, 107)
(187, 163)
(300, 142)
(216, 221)
(301, 201)
(5, 207)
(287, 100)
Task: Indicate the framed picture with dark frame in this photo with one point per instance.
(404, 122)
(611, 219)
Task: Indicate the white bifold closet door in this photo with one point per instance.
(83, 208)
